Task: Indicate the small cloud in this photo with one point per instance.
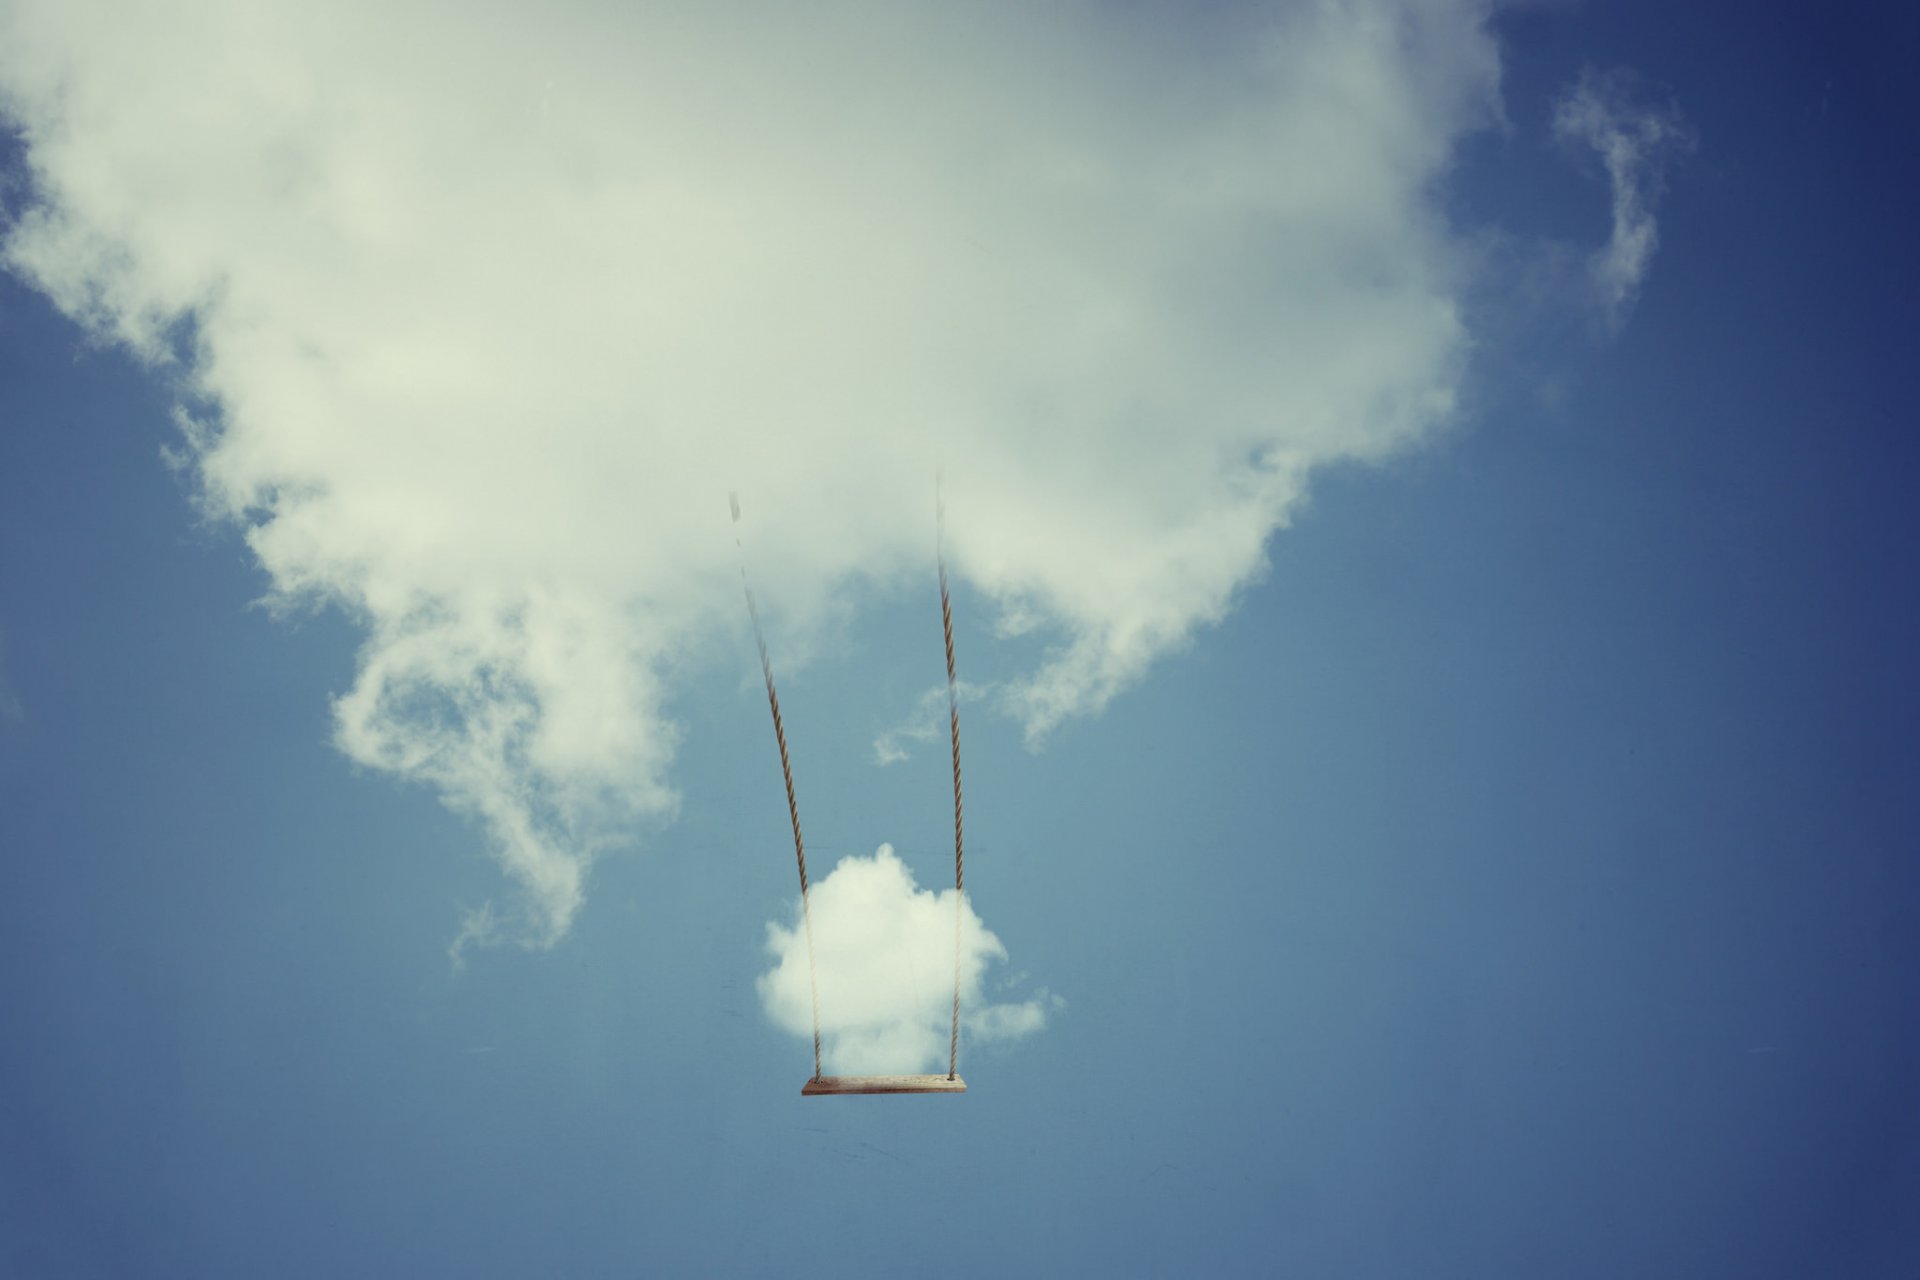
(1604, 111)
(1010, 1021)
(884, 961)
(478, 928)
(925, 724)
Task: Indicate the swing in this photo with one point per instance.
(820, 1085)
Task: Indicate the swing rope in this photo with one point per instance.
(953, 733)
(786, 773)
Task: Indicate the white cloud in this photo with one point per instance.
(1635, 141)
(926, 723)
(478, 928)
(884, 953)
(488, 309)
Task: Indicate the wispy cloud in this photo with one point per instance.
(884, 952)
(478, 928)
(481, 318)
(926, 723)
(1607, 111)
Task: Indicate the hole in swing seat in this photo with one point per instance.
(824, 1086)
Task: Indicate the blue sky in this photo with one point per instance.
(1474, 838)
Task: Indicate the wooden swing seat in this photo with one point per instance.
(824, 1086)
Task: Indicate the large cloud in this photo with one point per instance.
(477, 315)
(884, 959)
